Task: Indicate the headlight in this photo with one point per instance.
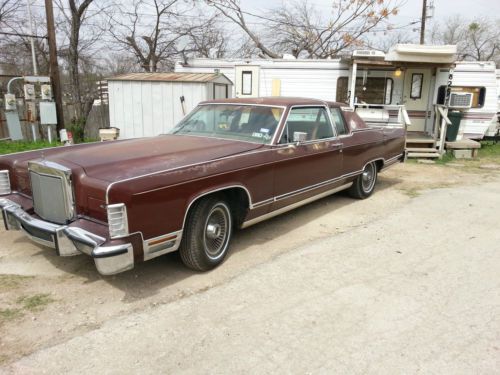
(4, 183)
(117, 220)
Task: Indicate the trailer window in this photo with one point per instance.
(417, 81)
(246, 82)
(374, 90)
(478, 94)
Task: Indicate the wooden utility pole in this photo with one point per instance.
(422, 22)
(54, 66)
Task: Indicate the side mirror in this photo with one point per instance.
(299, 137)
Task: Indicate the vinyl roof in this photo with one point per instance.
(275, 101)
(168, 77)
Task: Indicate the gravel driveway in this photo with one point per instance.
(405, 282)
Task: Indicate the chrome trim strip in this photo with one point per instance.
(392, 161)
(315, 186)
(307, 188)
(251, 205)
(153, 251)
(290, 207)
(245, 104)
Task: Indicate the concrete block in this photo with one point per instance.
(463, 154)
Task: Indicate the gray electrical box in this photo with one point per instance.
(48, 114)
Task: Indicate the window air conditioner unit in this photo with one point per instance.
(460, 100)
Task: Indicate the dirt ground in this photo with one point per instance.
(46, 300)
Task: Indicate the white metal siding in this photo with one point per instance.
(149, 108)
(303, 78)
(475, 74)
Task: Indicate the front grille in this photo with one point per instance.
(52, 191)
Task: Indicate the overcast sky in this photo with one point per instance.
(411, 10)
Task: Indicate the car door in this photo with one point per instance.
(309, 156)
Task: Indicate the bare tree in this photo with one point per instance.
(148, 31)
(73, 19)
(232, 10)
(205, 37)
(451, 31)
(483, 41)
(15, 47)
(8, 10)
(303, 31)
(389, 39)
(478, 39)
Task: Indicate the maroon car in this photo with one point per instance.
(229, 164)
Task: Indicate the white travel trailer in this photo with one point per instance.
(415, 76)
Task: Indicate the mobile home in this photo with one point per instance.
(375, 83)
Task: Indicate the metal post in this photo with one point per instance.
(54, 66)
(32, 40)
(352, 89)
(33, 131)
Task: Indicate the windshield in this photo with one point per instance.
(232, 121)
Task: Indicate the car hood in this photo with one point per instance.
(117, 160)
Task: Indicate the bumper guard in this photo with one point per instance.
(68, 241)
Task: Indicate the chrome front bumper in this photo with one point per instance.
(68, 241)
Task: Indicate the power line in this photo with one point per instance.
(23, 35)
(265, 20)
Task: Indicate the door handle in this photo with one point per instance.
(336, 146)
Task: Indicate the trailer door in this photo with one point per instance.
(416, 97)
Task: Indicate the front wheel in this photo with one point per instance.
(364, 184)
(207, 234)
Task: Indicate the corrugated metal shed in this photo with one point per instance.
(171, 77)
(148, 104)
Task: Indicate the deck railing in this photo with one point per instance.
(388, 115)
(441, 122)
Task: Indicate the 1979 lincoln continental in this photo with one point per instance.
(228, 164)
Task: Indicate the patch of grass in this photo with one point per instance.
(447, 157)
(489, 150)
(412, 193)
(9, 147)
(9, 314)
(35, 302)
(8, 282)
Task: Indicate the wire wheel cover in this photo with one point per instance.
(216, 231)
(368, 178)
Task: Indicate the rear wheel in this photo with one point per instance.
(364, 184)
(207, 234)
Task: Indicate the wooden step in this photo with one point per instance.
(423, 154)
(421, 149)
(420, 140)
